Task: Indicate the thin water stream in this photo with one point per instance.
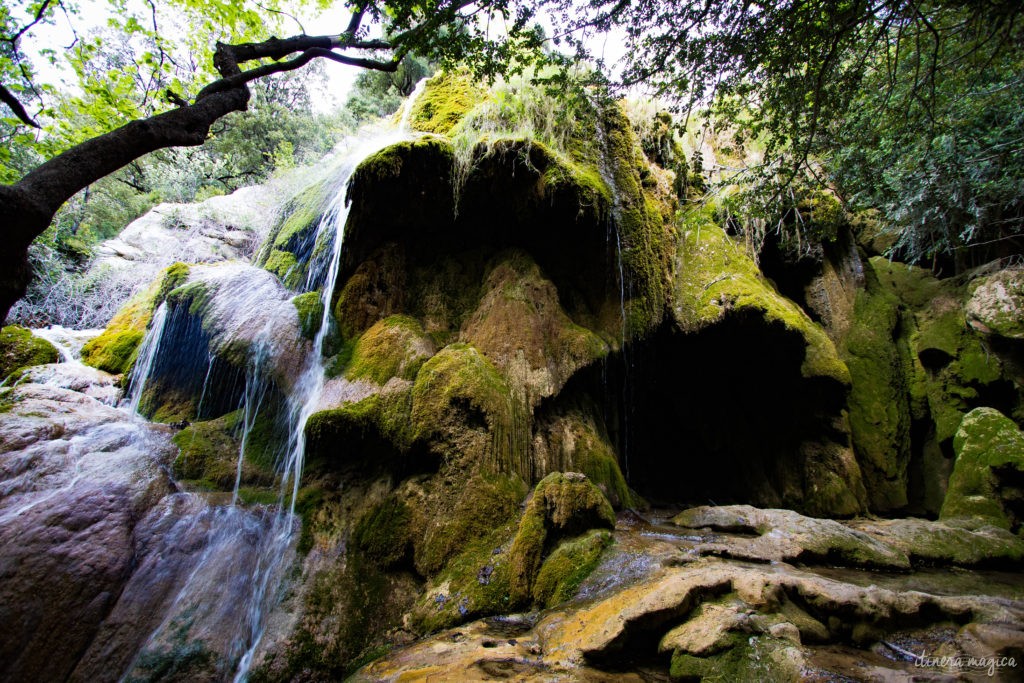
(248, 550)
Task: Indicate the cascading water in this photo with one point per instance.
(147, 354)
(614, 221)
(262, 539)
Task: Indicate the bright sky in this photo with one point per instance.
(94, 14)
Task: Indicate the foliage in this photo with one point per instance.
(376, 93)
(913, 106)
(946, 170)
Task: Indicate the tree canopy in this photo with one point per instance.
(908, 107)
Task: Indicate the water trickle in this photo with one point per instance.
(613, 231)
(147, 353)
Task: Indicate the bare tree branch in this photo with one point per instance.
(8, 98)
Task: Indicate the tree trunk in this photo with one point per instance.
(29, 205)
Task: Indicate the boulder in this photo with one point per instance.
(996, 306)
(987, 484)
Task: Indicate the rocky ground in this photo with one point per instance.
(736, 593)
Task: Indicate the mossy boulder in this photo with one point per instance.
(563, 505)
(715, 279)
(310, 308)
(498, 560)
(445, 99)
(458, 388)
(19, 348)
(987, 484)
(567, 566)
(396, 346)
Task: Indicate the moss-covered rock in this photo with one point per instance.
(879, 404)
(209, 451)
(715, 278)
(563, 505)
(960, 371)
(987, 484)
(384, 535)
(310, 308)
(115, 349)
(570, 440)
(19, 348)
(458, 389)
(567, 566)
(445, 99)
(396, 346)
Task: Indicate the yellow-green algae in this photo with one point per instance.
(715, 277)
(19, 348)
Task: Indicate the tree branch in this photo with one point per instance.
(8, 98)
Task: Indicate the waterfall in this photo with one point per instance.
(263, 537)
(614, 221)
(147, 353)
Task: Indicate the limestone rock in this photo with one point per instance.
(75, 476)
(997, 305)
(985, 487)
(784, 535)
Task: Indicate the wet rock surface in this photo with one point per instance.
(681, 615)
(75, 478)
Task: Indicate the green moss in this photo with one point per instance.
(174, 276)
(393, 347)
(456, 381)
(563, 505)
(567, 566)
(646, 250)
(956, 367)
(311, 313)
(353, 432)
(989, 447)
(715, 278)
(208, 451)
(383, 534)
(749, 659)
(388, 163)
(475, 583)
(284, 265)
(446, 98)
(19, 348)
(483, 503)
(879, 405)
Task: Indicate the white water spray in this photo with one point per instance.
(147, 354)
